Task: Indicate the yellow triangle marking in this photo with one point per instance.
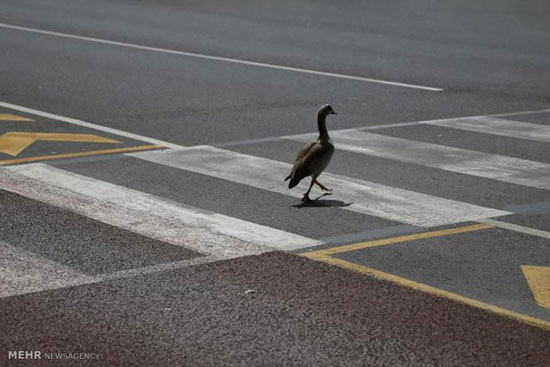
(10, 117)
(13, 143)
(538, 278)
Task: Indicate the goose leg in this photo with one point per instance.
(306, 195)
(323, 187)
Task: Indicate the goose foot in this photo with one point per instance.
(306, 198)
(323, 187)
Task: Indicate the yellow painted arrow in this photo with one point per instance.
(538, 278)
(13, 143)
(10, 117)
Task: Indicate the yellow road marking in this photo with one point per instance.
(406, 238)
(79, 154)
(13, 143)
(324, 256)
(10, 117)
(538, 278)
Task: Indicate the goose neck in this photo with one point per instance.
(322, 126)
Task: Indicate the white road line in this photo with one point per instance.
(362, 196)
(23, 272)
(519, 113)
(492, 166)
(517, 228)
(433, 121)
(540, 207)
(159, 218)
(376, 127)
(497, 126)
(155, 268)
(89, 125)
(218, 58)
(166, 144)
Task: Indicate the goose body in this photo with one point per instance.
(314, 157)
(312, 160)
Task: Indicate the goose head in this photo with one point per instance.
(326, 110)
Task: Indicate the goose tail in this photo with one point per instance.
(293, 182)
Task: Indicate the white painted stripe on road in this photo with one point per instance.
(234, 143)
(518, 113)
(496, 126)
(358, 196)
(23, 272)
(128, 273)
(159, 218)
(218, 58)
(432, 121)
(89, 125)
(492, 166)
(375, 127)
(517, 228)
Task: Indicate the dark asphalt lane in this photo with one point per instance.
(539, 118)
(353, 36)
(304, 313)
(537, 219)
(490, 58)
(484, 265)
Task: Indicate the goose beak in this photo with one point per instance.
(333, 113)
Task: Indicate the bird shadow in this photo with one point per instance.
(317, 203)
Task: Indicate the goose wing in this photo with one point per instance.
(306, 149)
(299, 158)
(305, 163)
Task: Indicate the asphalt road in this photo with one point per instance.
(144, 219)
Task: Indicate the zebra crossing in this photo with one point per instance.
(146, 214)
(499, 126)
(363, 197)
(497, 167)
(216, 236)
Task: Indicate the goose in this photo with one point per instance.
(314, 157)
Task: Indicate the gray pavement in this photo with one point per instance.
(314, 315)
(166, 258)
(488, 60)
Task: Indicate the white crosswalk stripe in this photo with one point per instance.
(497, 126)
(202, 231)
(363, 197)
(496, 167)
